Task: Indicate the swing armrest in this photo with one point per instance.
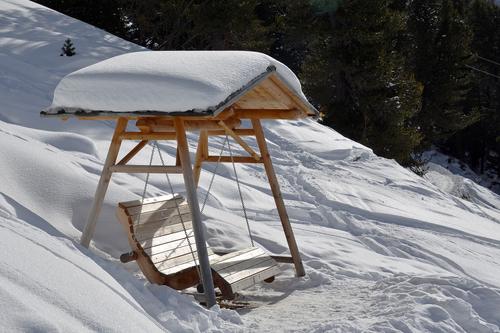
(128, 257)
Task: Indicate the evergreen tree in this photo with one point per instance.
(442, 40)
(479, 144)
(102, 14)
(395, 75)
(68, 49)
(369, 94)
(200, 25)
(291, 27)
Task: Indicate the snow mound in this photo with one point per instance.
(50, 284)
(460, 186)
(164, 81)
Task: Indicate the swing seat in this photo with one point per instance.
(164, 247)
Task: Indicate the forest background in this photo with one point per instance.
(400, 76)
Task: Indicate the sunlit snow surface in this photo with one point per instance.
(384, 249)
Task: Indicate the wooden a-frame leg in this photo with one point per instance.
(102, 186)
(280, 205)
(200, 155)
(192, 198)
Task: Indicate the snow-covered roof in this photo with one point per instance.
(173, 82)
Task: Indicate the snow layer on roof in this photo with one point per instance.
(165, 81)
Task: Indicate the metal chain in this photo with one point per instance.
(213, 175)
(178, 209)
(145, 186)
(239, 190)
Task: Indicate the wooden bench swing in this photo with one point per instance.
(166, 233)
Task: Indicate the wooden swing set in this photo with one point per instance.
(166, 233)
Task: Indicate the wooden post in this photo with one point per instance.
(200, 155)
(102, 186)
(192, 198)
(275, 188)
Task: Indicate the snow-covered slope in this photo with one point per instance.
(459, 178)
(385, 250)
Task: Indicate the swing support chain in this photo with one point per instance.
(240, 193)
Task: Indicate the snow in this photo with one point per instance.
(463, 176)
(165, 81)
(384, 249)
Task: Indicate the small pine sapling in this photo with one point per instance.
(68, 49)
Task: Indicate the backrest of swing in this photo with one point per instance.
(156, 230)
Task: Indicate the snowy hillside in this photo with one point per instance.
(384, 249)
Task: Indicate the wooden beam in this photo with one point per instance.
(177, 158)
(283, 259)
(205, 147)
(145, 169)
(109, 117)
(102, 186)
(239, 140)
(292, 94)
(133, 152)
(236, 159)
(166, 124)
(278, 198)
(237, 131)
(227, 113)
(269, 113)
(200, 155)
(148, 136)
(192, 198)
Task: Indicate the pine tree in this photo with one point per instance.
(479, 144)
(371, 97)
(442, 40)
(68, 49)
(201, 25)
(106, 14)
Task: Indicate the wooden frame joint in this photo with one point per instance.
(240, 141)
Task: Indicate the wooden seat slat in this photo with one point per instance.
(171, 225)
(229, 255)
(156, 216)
(258, 265)
(174, 262)
(185, 258)
(165, 239)
(241, 266)
(254, 279)
(172, 254)
(155, 250)
(180, 267)
(134, 210)
(166, 234)
(147, 201)
(224, 262)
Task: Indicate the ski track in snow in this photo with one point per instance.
(384, 249)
